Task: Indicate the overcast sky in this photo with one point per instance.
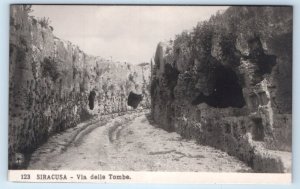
(125, 33)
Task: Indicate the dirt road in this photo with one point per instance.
(125, 144)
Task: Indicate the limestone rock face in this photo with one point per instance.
(228, 84)
(54, 85)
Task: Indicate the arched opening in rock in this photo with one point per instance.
(264, 62)
(227, 90)
(92, 99)
(134, 99)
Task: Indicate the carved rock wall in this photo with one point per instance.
(54, 85)
(228, 84)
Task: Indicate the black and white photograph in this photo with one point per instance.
(149, 89)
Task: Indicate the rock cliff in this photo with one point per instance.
(228, 84)
(54, 85)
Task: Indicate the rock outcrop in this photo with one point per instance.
(54, 85)
(228, 84)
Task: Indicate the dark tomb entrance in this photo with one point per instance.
(92, 99)
(134, 99)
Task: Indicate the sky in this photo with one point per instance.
(122, 33)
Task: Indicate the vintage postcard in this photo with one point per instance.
(150, 94)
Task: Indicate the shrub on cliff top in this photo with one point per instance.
(224, 29)
(44, 22)
(27, 8)
(202, 37)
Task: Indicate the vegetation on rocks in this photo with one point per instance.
(227, 83)
(54, 85)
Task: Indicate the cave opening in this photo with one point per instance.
(134, 99)
(264, 61)
(92, 96)
(227, 91)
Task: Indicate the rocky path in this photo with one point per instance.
(128, 143)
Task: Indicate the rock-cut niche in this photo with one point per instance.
(92, 99)
(227, 91)
(134, 99)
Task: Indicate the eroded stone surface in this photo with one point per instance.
(228, 84)
(54, 85)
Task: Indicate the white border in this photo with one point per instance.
(151, 177)
(4, 96)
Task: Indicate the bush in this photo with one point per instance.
(44, 22)
(27, 8)
(50, 68)
(131, 78)
(202, 39)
